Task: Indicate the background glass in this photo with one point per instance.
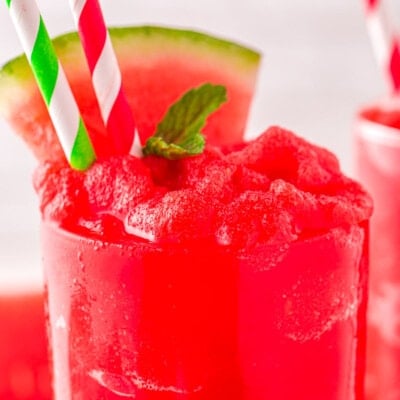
(377, 161)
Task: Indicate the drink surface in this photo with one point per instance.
(237, 274)
(378, 153)
(275, 189)
(384, 117)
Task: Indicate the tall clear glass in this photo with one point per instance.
(203, 321)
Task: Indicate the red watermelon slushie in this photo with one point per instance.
(377, 134)
(236, 274)
(196, 272)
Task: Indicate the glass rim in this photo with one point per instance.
(167, 246)
(374, 131)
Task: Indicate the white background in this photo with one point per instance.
(318, 68)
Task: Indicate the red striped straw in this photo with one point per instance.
(385, 42)
(106, 77)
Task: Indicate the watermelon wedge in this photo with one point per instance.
(158, 65)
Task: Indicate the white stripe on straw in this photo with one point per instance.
(65, 112)
(385, 42)
(107, 89)
(381, 35)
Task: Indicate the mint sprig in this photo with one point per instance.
(179, 135)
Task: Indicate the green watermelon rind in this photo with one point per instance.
(16, 76)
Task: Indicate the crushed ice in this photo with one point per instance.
(60, 323)
(127, 386)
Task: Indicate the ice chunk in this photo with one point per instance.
(118, 184)
(177, 216)
(129, 384)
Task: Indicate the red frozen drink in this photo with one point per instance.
(236, 274)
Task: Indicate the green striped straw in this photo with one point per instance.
(52, 83)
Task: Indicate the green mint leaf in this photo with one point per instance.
(179, 135)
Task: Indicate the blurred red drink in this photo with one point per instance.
(262, 298)
(377, 134)
(24, 368)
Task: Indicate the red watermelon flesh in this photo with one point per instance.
(158, 65)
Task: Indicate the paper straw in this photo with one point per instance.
(385, 42)
(106, 76)
(52, 83)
